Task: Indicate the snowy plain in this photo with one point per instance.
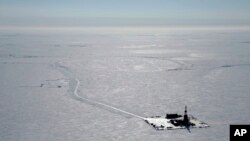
(55, 83)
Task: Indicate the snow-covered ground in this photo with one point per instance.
(99, 84)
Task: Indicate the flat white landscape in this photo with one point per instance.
(98, 84)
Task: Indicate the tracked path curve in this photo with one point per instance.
(100, 103)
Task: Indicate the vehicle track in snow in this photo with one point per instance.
(100, 103)
(68, 73)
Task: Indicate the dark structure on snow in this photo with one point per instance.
(185, 118)
(176, 119)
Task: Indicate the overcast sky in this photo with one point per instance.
(124, 12)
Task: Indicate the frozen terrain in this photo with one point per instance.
(99, 83)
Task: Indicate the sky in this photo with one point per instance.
(124, 12)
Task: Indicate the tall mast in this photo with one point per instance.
(185, 118)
